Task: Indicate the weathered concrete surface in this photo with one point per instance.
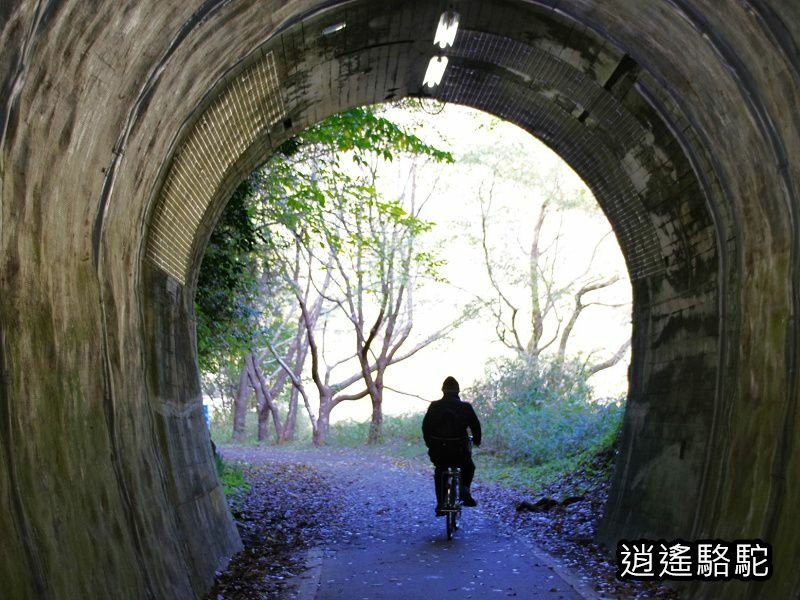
(682, 116)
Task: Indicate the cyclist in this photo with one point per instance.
(444, 429)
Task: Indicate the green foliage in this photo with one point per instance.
(226, 284)
(397, 430)
(232, 477)
(538, 422)
(221, 428)
(363, 132)
(407, 428)
(571, 470)
(402, 438)
(321, 203)
(520, 475)
(349, 433)
(311, 210)
(540, 412)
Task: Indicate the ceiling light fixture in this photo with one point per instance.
(446, 31)
(330, 29)
(435, 71)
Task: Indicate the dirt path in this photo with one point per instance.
(386, 543)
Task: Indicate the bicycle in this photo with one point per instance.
(451, 498)
(451, 490)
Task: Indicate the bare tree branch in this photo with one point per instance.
(410, 395)
(579, 307)
(611, 361)
(503, 299)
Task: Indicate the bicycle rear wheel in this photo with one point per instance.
(451, 502)
(452, 525)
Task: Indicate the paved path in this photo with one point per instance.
(391, 545)
(478, 563)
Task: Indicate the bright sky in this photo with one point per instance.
(455, 207)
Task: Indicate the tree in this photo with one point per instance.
(387, 271)
(236, 318)
(323, 243)
(544, 323)
(225, 289)
(359, 250)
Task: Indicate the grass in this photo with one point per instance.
(349, 434)
(232, 477)
(221, 430)
(402, 439)
(406, 429)
(520, 476)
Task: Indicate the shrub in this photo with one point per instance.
(349, 433)
(232, 477)
(541, 411)
(405, 428)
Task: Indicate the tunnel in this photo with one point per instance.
(124, 127)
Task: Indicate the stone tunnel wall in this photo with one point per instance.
(104, 459)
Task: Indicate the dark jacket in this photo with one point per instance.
(451, 405)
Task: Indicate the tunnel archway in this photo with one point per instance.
(125, 129)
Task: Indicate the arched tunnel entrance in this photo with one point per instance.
(125, 128)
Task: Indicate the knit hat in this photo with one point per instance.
(450, 385)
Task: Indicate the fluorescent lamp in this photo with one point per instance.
(446, 31)
(435, 71)
(330, 29)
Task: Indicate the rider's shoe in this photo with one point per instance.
(468, 500)
(440, 512)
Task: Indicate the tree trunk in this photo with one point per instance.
(535, 257)
(323, 424)
(290, 425)
(266, 396)
(376, 422)
(261, 402)
(240, 406)
(263, 423)
(375, 388)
